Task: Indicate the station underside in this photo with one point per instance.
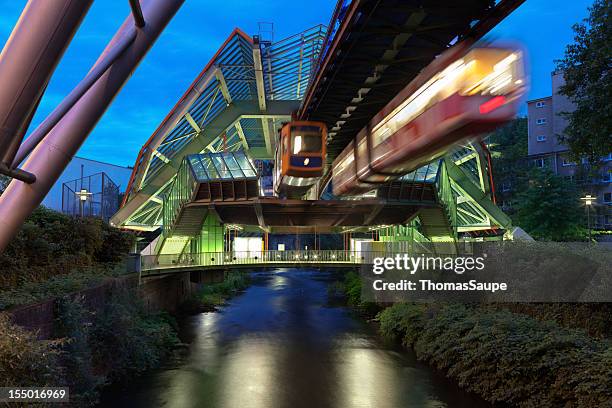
(341, 76)
(269, 212)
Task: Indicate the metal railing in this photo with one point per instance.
(233, 258)
(181, 192)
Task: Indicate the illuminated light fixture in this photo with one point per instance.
(588, 199)
(315, 256)
(492, 104)
(333, 256)
(83, 194)
(297, 144)
(306, 161)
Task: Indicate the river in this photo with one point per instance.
(282, 343)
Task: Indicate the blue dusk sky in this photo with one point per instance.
(199, 28)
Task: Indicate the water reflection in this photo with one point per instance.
(280, 344)
(249, 376)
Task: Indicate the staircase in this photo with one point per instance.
(440, 222)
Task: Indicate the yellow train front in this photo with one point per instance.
(300, 157)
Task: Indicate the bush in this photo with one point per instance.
(26, 361)
(350, 289)
(505, 357)
(216, 294)
(128, 340)
(74, 325)
(57, 286)
(51, 243)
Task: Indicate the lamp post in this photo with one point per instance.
(83, 195)
(588, 202)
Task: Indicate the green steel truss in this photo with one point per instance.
(237, 102)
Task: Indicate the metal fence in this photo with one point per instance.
(92, 196)
(233, 258)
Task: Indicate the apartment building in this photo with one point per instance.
(545, 123)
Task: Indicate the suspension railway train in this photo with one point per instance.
(463, 93)
(300, 157)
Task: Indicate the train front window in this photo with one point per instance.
(306, 139)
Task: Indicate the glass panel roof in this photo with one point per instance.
(222, 166)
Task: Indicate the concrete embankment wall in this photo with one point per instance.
(157, 293)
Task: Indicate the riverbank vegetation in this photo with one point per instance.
(544, 355)
(52, 244)
(506, 357)
(212, 295)
(106, 336)
(90, 348)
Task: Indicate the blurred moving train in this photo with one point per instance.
(300, 157)
(462, 94)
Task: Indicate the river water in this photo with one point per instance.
(282, 343)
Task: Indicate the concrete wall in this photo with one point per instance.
(535, 112)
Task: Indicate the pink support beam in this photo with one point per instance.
(27, 61)
(50, 157)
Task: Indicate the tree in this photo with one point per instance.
(508, 147)
(549, 209)
(4, 182)
(586, 67)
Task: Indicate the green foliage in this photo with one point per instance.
(212, 295)
(119, 342)
(51, 243)
(594, 318)
(26, 361)
(549, 209)
(73, 323)
(58, 286)
(127, 339)
(586, 68)
(508, 147)
(505, 357)
(350, 289)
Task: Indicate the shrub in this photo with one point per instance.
(216, 294)
(26, 361)
(506, 357)
(128, 340)
(51, 243)
(74, 324)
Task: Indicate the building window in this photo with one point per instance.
(567, 162)
(539, 163)
(607, 177)
(541, 121)
(505, 186)
(585, 160)
(608, 157)
(607, 197)
(540, 104)
(541, 138)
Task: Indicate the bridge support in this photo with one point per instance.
(51, 156)
(27, 61)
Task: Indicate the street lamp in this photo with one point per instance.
(588, 201)
(83, 195)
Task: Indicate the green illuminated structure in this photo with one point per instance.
(204, 150)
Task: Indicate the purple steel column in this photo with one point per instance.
(50, 157)
(27, 61)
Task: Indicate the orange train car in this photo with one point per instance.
(300, 157)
